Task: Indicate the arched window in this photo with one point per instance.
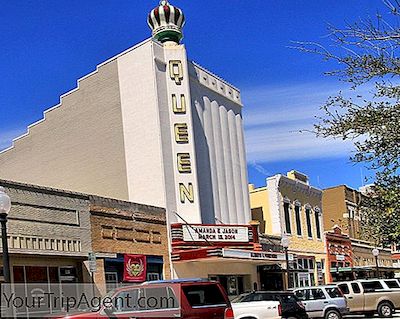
(317, 211)
(308, 221)
(286, 213)
(297, 214)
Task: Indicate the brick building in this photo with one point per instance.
(340, 261)
(120, 228)
(51, 232)
(48, 234)
(342, 207)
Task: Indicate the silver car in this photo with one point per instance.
(326, 302)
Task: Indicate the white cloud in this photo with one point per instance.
(274, 117)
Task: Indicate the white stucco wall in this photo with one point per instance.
(220, 148)
(141, 126)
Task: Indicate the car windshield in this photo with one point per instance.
(287, 298)
(241, 298)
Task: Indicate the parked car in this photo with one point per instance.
(257, 309)
(291, 307)
(195, 298)
(326, 302)
(372, 296)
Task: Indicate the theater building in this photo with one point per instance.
(147, 126)
(231, 254)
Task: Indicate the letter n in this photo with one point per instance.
(186, 193)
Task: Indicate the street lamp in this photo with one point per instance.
(285, 244)
(5, 206)
(375, 252)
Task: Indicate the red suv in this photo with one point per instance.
(186, 298)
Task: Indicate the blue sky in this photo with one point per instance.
(47, 45)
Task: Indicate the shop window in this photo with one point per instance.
(111, 280)
(19, 275)
(234, 285)
(286, 209)
(297, 209)
(53, 275)
(152, 276)
(308, 220)
(36, 274)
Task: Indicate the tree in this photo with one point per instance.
(367, 53)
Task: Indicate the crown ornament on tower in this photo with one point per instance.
(166, 22)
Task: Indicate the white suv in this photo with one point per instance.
(323, 301)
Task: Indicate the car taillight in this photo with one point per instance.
(280, 310)
(228, 313)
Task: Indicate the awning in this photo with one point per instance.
(212, 253)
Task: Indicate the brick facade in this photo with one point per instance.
(51, 227)
(119, 227)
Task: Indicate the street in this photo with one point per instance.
(397, 315)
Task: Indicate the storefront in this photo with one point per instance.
(122, 230)
(340, 256)
(48, 234)
(230, 254)
(114, 269)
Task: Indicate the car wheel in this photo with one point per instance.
(385, 310)
(333, 314)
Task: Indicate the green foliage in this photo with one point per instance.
(367, 53)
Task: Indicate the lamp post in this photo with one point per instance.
(375, 252)
(285, 244)
(5, 206)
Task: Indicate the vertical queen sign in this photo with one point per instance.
(135, 268)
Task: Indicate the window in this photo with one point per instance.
(286, 209)
(122, 306)
(297, 208)
(334, 292)
(301, 295)
(268, 297)
(160, 298)
(308, 220)
(356, 288)
(204, 295)
(392, 283)
(316, 294)
(111, 280)
(371, 285)
(317, 224)
(344, 288)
